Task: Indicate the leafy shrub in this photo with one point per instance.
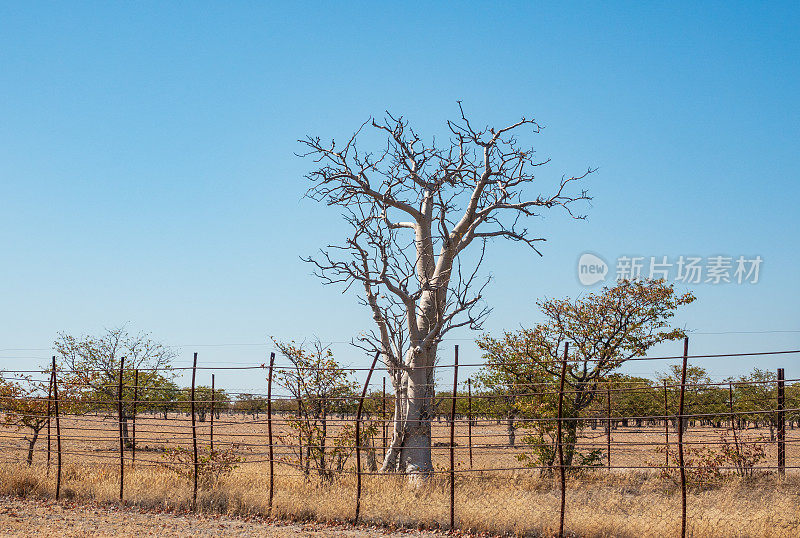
(701, 463)
(213, 465)
(544, 455)
(328, 452)
(592, 460)
(704, 464)
(743, 454)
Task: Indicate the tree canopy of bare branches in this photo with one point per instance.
(415, 210)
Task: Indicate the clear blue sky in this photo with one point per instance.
(148, 176)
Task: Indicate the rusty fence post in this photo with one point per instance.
(453, 446)
(121, 434)
(733, 426)
(211, 432)
(666, 428)
(560, 441)
(469, 418)
(58, 430)
(383, 417)
(194, 435)
(300, 421)
(609, 423)
(269, 433)
(49, 399)
(358, 436)
(680, 436)
(133, 412)
(781, 425)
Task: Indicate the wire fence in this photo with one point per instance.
(682, 429)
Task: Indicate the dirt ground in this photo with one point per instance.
(28, 517)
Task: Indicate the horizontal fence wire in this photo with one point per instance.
(505, 431)
(292, 368)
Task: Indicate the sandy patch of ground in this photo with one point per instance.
(29, 517)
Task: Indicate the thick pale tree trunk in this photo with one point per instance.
(415, 457)
(410, 448)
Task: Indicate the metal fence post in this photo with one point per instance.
(269, 433)
(452, 446)
(469, 419)
(133, 411)
(358, 435)
(121, 435)
(733, 426)
(560, 441)
(666, 427)
(300, 420)
(194, 436)
(781, 425)
(609, 424)
(383, 417)
(680, 437)
(211, 432)
(58, 430)
(49, 399)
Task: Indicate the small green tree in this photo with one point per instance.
(699, 398)
(250, 404)
(24, 406)
(323, 387)
(202, 400)
(162, 396)
(604, 330)
(793, 404)
(93, 363)
(631, 397)
(756, 393)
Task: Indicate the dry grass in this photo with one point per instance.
(631, 504)
(620, 503)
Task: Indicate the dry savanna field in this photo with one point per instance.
(494, 495)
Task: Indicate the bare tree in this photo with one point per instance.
(414, 209)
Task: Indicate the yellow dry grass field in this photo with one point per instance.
(624, 502)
